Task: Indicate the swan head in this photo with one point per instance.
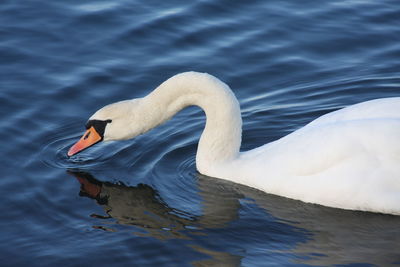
(117, 121)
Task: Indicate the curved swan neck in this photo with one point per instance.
(221, 138)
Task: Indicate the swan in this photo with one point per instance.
(348, 159)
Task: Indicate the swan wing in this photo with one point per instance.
(348, 159)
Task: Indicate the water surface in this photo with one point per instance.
(142, 202)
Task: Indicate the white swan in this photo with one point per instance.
(347, 159)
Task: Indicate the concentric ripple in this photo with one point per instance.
(54, 152)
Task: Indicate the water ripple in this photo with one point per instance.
(54, 153)
(288, 62)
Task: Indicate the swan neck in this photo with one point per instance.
(221, 138)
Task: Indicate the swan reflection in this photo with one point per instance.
(311, 234)
(137, 205)
(142, 206)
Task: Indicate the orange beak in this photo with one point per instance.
(90, 138)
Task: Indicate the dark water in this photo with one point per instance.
(141, 202)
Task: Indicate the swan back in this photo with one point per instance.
(347, 159)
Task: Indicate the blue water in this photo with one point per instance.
(142, 202)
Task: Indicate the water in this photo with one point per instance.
(141, 202)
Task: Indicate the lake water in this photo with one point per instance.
(142, 202)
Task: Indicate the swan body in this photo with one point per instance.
(347, 159)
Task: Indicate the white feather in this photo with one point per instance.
(346, 159)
